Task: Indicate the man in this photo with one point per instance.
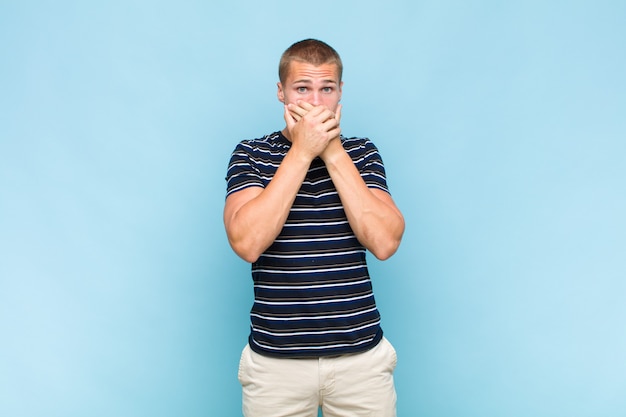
(303, 205)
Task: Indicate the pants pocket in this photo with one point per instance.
(391, 354)
(243, 365)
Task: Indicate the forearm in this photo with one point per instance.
(376, 221)
(254, 218)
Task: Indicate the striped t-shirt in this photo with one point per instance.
(312, 291)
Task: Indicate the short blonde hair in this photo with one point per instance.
(311, 51)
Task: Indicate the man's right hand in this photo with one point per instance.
(310, 128)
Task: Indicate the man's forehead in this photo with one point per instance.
(306, 72)
(310, 80)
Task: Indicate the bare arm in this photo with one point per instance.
(372, 213)
(254, 216)
(373, 216)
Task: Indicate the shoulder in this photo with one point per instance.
(261, 154)
(359, 147)
(355, 140)
(355, 143)
(268, 142)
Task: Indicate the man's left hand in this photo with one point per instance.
(300, 109)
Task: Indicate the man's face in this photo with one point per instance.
(317, 85)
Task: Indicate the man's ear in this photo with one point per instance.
(340, 90)
(280, 93)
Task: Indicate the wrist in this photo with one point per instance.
(334, 153)
(299, 156)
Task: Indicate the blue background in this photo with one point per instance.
(502, 126)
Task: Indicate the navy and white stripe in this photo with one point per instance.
(312, 291)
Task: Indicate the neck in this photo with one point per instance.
(285, 133)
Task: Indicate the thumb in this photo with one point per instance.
(338, 113)
(289, 118)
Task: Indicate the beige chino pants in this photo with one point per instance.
(355, 385)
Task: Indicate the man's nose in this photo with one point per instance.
(316, 98)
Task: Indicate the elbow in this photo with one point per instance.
(385, 247)
(384, 252)
(246, 252)
(248, 245)
(248, 256)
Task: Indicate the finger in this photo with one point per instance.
(330, 125)
(295, 115)
(295, 109)
(305, 105)
(323, 114)
(335, 132)
(289, 119)
(319, 111)
(338, 113)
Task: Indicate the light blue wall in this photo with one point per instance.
(503, 128)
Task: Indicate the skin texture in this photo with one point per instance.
(255, 216)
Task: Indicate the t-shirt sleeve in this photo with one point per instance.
(371, 167)
(241, 171)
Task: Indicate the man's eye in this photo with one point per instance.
(301, 89)
(327, 89)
